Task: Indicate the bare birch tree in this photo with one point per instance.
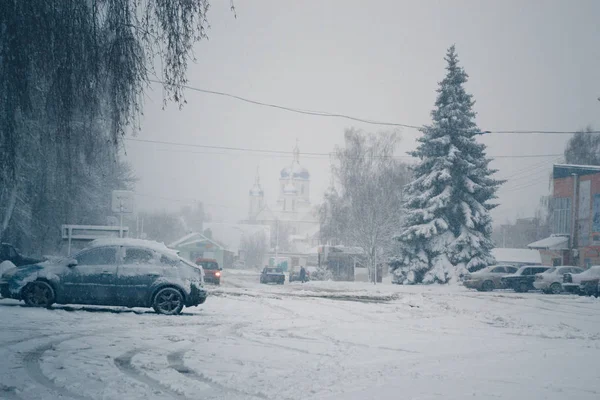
(364, 208)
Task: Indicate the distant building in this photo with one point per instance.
(294, 221)
(575, 217)
(196, 245)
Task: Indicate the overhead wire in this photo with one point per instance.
(290, 153)
(352, 118)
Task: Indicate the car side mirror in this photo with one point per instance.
(221, 269)
(72, 263)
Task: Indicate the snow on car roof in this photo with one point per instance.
(131, 242)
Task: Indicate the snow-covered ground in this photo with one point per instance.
(319, 340)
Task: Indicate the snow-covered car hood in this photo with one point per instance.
(587, 275)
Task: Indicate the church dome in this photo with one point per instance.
(296, 170)
(256, 191)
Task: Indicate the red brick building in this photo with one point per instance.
(575, 217)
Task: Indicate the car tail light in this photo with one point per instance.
(217, 274)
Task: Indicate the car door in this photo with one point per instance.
(93, 279)
(137, 275)
(496, 275)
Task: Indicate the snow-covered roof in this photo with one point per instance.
(526, 256)
(551, 243)
(230, 235)
(183, 239)
(567, 170)
(131, 242)
(578, 166)
(297, 171)
(193, 238)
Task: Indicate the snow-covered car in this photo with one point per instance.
(272, 275)
(9, 253)
(488, 279)
(551, 281)
(583, 283)
(522, 280)
(111, 272)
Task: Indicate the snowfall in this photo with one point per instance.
(318, 340)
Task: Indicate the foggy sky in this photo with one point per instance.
(532, 65)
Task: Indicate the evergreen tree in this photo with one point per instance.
(447, 229)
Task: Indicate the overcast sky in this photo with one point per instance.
(533, 65)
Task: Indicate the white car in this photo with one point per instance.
(551, 280)
(583, 283)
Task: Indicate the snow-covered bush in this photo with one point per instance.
(321, 274)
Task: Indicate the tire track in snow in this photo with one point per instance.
(23, 340)
(123, 362)
(31, 363)
(176, 362)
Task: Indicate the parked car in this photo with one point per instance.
(9, 253)
(111, 272)
(490, 278)
(584, 283)
(550, 281)
(212, 271)
(272, 275)
(522, 280)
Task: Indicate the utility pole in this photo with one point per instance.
(276, 241)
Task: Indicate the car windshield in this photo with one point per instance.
(274, 270)
(209, 265)
(551, 270)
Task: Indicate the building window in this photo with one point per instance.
(561, 215)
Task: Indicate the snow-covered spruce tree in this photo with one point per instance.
(447, 229)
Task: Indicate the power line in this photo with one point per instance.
(294, 110)
(526, 173)
(349, 117)
(290, 153)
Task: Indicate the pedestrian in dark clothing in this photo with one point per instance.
(302, 274)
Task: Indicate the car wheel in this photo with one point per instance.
(555, 288)
(168, 301)
(38, 294)
(487, 286)
(523, 287)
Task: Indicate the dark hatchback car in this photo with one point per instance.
(272, 275)
(212, 271)
(522, 280)
(111, 272)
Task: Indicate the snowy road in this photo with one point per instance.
(312, 341)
